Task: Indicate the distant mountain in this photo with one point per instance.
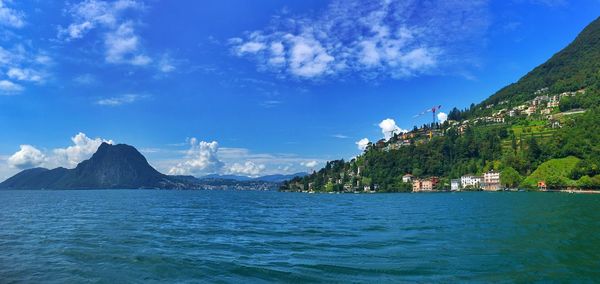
(228, 177)
(123, 167)
(268, 178)
(112, 166)
(574, 67)
(280, 177)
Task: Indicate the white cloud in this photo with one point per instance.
(362, 144)
(27, 157)
(121, 41)
(166, 65)
(210, 158)
(120, 100)
(8, 87)
(248, 168)
(340, 136)
(201, 158)
(442, 117)
(10, 17)
(85, 79)
(251, 47)
(24, 65)
(24, 74)
(122, 46)
(380, 38)
(82, 149)
(308, 58)
(389, 128)
(310, 164)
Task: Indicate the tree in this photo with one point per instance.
(509, 177)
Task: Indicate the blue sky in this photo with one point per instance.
(253, 87)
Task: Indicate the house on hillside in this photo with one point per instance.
(470, 181)
(491, 181)
(539, 100)
(455, 185)
(553, 102)
(530, 110)
(425, 184)
(407, 178)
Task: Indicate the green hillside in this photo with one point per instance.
(555, 173)
(573, 68)
(544, 127)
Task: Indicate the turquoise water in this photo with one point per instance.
(245, 237)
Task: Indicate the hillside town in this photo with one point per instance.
(544, 107)
(539, 117)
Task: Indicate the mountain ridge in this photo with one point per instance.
(119, 166)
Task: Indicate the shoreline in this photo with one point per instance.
(582, 191)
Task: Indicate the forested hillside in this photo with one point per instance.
(544, 127)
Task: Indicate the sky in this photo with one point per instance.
(254, 87)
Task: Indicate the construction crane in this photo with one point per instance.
(433, 110)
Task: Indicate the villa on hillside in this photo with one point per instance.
(470, 181)
(491, 181)
(407, 178)
(425, 184)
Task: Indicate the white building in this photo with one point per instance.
(470, 181)
(491, 180)
(455, 185)
(407, 178)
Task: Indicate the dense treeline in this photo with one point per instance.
(478, 150)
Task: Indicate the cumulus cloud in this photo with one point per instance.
(82, 149)
(8, 87)
(378, 38)
(362, 144)
(389, 128)
(201, 158)
(27, 157)
(248, 168)
(442, 117)
(121, 41)
(10, 17)
(120, 100)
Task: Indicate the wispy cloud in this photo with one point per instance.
(340, 136)
(11, 17)
(121, 40)
(373, 39)
(270, 103)
(9, 88)
(120, 100)
(21, 65)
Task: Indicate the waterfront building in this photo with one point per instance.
(470, 181)
(455, 185)
(491, 181)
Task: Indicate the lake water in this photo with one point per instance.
(248, 236)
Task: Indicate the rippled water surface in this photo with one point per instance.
(241, 237)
